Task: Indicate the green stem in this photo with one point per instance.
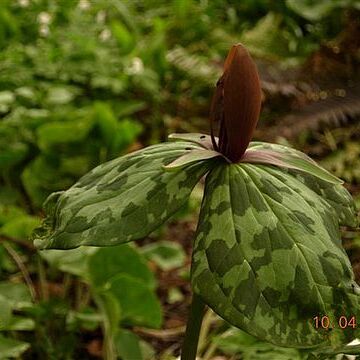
(193, 327)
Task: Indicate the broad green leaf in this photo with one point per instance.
(236, 342)
(17, 294)
(127, 345)
(127, 131)
(52, 134)
(73, 261)
(122, 200)
(167, 255)
(139, 304)
(20, 227)
(283, 156)
(106, 263)
(9, 212)
(11, 348)
(268, 256)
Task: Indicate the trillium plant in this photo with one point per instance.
(267, 254)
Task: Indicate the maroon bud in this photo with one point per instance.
(236, 103)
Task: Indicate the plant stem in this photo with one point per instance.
(23, 269)
(193, 327)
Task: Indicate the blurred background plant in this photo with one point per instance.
(82, 82)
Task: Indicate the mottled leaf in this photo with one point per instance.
(286, 157)
(268, 256)
(122, 200)
(197, 138)
(192, 156)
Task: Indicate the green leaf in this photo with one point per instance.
(41, 177)
(167, 255)
(51, 135)
(339, 199)
(127, 345)
(122, 200)
(73, 261)
(106, 263)
(192, 156)
(11, 348)
(9, 212)
(127, 131)
(20, 227)
(106, 121)
(139, 304)
(316, 10)
(20, 323)
(201, 139)
(11, 153)
(17, 294)
(125, 39)
(235, 342)
(268, 256)
(5, 313)
(128, 107)
(283, 156)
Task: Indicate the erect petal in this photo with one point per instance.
(241, 102)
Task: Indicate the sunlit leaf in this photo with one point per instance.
(17, 294)
(11, 348)
(106, 263)
(268, 256)
(73, 261)
(139, 305)
(128, 345)
(167, 255)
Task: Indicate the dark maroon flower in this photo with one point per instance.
(236, 104)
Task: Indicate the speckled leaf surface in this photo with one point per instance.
(197, 138)
(286, 157)
(122, 200)
(268, 256)
(191, 157)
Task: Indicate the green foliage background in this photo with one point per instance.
(82, 82)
